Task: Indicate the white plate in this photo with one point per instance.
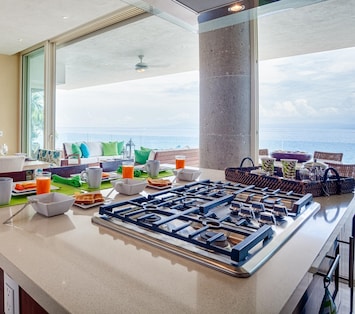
(27, 191)
(86, 206)
(161, 169)
(159, 187)
(112, 176)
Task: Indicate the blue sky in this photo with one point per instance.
(309, 89)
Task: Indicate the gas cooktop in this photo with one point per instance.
(231, 227)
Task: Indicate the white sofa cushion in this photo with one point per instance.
(68, 148)
(151, 155)
(95, 149)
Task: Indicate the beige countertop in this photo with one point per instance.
(68, 264)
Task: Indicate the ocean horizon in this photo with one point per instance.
(273, 138)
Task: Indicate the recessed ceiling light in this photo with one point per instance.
(236, 7)
(65, 17)
(20, 39)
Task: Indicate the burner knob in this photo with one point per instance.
(235, 207)
(267, 218)
(280, 211)
(258, 207)
(246, 212)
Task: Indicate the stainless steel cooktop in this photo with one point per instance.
(230, 227)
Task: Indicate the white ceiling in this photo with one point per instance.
(26, 23)
(111, 56)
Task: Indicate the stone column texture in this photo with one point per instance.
(225, 95)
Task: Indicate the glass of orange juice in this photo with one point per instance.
(43, 182)
(127, 169)
(179, 162)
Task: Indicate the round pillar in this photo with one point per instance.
(225, 96)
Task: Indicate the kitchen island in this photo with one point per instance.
(69, 265)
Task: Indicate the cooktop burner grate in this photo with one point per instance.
(228, 226)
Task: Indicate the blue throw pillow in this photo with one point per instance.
(85, 150)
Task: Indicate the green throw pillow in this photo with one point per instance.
(110, 149)
(120, 146)
(145, 148)
(76, 149)
(141, 156)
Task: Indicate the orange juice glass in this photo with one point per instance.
(179, 162)
(127, 170)
(43, 183)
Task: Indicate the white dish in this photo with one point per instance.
(187, 174)
(51, 204)
(87, 206)
(129, 186)
(16, 192)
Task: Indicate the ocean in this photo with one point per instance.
(337, 140)
(273, 138)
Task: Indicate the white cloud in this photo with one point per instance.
(170, 100)
(315, 88)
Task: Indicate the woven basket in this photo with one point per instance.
(330, 185)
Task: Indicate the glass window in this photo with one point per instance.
(306, 89)
(33, 102)
(138, 80)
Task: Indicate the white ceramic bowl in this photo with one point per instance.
(187, 174)
(129, 186)
(51, 204)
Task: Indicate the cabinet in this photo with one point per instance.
(27, 304)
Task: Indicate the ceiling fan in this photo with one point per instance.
(141, 66)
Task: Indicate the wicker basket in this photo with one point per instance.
(333, 184)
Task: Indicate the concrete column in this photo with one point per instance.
(225, 96)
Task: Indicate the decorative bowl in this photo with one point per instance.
(300, 156)
(129, 186)
(187, 174)
(51, 204)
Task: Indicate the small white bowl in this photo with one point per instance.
(187, 174)
(129, 186)
(51, 204)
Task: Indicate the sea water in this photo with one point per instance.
(273, 138)
(336, 140)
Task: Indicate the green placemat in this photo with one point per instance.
(63, 188)
(162, 174)
(71, 190)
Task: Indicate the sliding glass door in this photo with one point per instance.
(33, 102)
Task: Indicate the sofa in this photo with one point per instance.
(167, 156)
(91, 152)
